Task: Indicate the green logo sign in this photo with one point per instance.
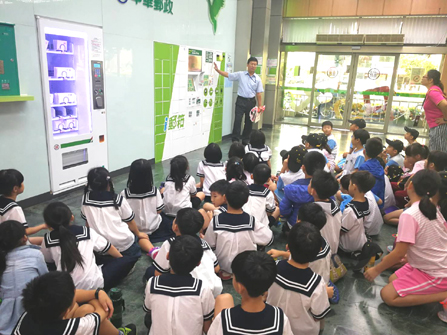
(194, 52)
(176, 122)
(164, 6)
(214, 7)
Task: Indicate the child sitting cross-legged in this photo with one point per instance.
(353, 237)
(254, 272)
(176, 302)
(218, 199)
(189, 222)
(300, 292)
(51, 307)
(235, 231)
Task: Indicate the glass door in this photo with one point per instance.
(331, 83)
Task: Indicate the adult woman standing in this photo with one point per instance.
(435, 106)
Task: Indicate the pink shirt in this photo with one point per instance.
(418, 166)
(428, 241)
(432, 112)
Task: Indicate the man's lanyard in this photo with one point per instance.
(253, 78)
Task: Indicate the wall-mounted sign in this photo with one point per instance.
(373, 74)
(164, 6)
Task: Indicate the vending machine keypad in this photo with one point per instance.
(98, 84)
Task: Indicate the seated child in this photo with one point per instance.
(343, 194)
(218, 198)
(291, 169)
(374, 221)
(422, 237)
(146, 202)
(353, 237)
(393, 150)
(188, 223)
(235, 231)
(51, 307)
(261, 201)
(234, 170)
(177, 302)
(411, 135)
(355, 125)
(254, 272)
(11, 186)
(296, 194)
(19, 263)
(373, 148)
(250, 161)
(258, 147)
(322, 187)
(300, 292)
(437, 161)
(327, 126)
(237, 149)
(356, 157)
(318, 143)
(211, 169)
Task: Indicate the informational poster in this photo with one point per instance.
(416, 75)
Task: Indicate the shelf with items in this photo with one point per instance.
(65, 125)
(60, 52)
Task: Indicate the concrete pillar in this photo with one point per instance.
(274, 46)
(260, 29)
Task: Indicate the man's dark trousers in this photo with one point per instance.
(243, 107)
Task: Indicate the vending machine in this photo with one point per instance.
(72, 66)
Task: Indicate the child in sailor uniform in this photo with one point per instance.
(299, 291)
(211, 169)
(177, 302)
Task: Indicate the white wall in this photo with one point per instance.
(129, 32)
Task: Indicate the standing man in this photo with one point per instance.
(249, 90)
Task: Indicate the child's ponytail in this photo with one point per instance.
(11, 232)
(443, 194)
(98, 179)
(57, 216)
(179, 165)
(426, 184)
(235, 169)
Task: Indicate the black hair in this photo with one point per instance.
(255, 270)
(48, 297)
(362, 135)
(219, 186)
(325, 184)
(417, 149)
(237, 194)
(378, 139)
(212, 153)
(439, 159)
(364, 180)
(250, 161)
(426, 184)
(179, 165)
(140, 177)
(373, 148)
(261, 174)
(237, 149)
(443, 194)
(344, 181)
(304, 242)
(381, 161)
(189, 221)
(257, 139)
(57, 216)
(185, 254)
(11, 232)
(252, 59)
(9, 179)
(436, 76)
(314, 161)
(327, 123)
(312, 213)
(235, 169)
(324, 145)
(98, 179)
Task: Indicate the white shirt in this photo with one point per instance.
(237, 321)
(179, 304)
(326, 168)
(331, 141)
(89, 276)
(204, 271)
(175, 200)
(146, 207)
(353, 235)
(399, 159)
(302, 295)
(289, 177)
(98, 209)
(264, 154)
(260, 201)
(322, 263)
(211, 172)
(374, 221)
(390, 200)
(231, 234)
(353, 161)
(331, 230)
(10, 210)
(249, 180)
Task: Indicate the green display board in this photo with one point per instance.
(9, 73)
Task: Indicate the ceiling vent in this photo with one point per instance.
(384, 39)
(360, 39)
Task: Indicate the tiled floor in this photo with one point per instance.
(360, 310)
